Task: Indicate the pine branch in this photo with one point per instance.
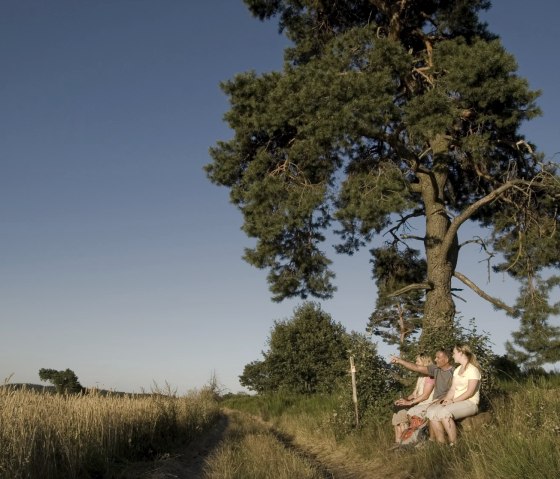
(472, 209)
(410, 287)
(495, 301)
(537, 182)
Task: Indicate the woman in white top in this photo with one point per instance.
(462, 398)
(422, 393)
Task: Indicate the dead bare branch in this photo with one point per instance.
(402, 221)
(419, 238)
(489, 254)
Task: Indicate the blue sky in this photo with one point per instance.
(119, 259)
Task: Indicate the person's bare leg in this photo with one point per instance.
(399, 429)
(397, 432)
(432, 436)
(450, 428)
(439, 432)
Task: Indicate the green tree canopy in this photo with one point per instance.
(537, 342)
(397, 319)
(66, 382)
(307, 354)
(387, 111)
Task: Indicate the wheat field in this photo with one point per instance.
(74, 436)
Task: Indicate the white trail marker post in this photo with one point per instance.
(354, 390)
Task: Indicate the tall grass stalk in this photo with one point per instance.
(52, 436)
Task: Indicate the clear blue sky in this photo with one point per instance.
(119, 259)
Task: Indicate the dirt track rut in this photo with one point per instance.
(190, 461)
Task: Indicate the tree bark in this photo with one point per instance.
(441, 256)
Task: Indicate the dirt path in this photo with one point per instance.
(332, 463)
(189, 462)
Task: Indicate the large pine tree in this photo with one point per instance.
(387, 111)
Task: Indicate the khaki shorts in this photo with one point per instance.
(400, 417)
(420, 409)
(456, 410)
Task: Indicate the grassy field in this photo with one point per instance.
(90, 435)
(95, 436)
(522, 442)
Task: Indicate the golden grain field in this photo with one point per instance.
(73, 436)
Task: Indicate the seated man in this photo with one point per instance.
(442, 372)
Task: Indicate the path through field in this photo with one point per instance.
(196, 460)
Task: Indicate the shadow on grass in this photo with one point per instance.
(183, 461)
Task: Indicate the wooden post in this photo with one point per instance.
(354, 391)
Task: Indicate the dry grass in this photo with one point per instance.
(252, 450)
(522, 442)
(53, 436)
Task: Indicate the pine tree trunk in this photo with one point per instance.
(439, 309)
